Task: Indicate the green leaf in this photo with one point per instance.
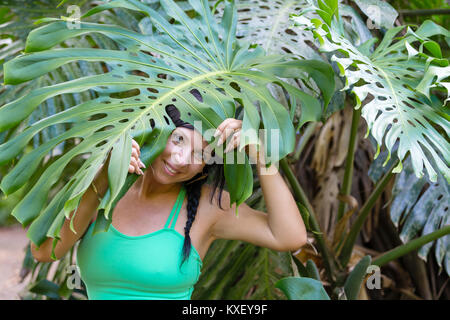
(46, 288)
(270, 27)
(313, 272)
(297, 288)
(354, 280)
(392, 79)
(128, 97)
(380, 12)
(419, 208)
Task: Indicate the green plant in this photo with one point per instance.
(396, 86)
(191, 61)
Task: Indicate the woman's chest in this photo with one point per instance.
(135, 218)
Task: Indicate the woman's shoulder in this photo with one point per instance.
(215, 200)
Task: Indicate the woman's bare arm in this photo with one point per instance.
(84, 214)
(85, 211)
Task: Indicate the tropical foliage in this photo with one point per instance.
(249, 60)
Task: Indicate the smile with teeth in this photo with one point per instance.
(169, 169)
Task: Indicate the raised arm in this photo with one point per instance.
(282, 227)
(85, 212)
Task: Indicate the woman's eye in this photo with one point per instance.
(177, 138)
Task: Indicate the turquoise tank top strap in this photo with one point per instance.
(176, 209)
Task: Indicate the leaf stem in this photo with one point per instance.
(348, 174)
(328, 259)
(349, 242)
(410, 246)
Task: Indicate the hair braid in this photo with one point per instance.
(193, 191)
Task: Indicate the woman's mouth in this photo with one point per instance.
(169, 170)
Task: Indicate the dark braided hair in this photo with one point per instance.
(211, 172)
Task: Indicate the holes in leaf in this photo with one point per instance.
(221, 90)
(151, 97)
(138, 73)
(101, 143)
(125, 94)
(189, 114)
(291, 32)
(415, 100)
(206, 39)
(196, 94)
(105, 128)
(137, 99)
(286, 50)
(97, 116)
(153, 90)
(152, 123)
(420, 123)
(142, 107)
(235, 86)
(395, 120)
(381, 98)
(388, 127)
(123, 120)
(408, 105)
(167, 120)
(174, 99)
(411, 123)
(128, 110)
(162, 75)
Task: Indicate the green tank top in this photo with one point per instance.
(113, 265)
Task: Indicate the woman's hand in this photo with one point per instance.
(135, 163)
(233, 127)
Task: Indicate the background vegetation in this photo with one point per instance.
(358, 207)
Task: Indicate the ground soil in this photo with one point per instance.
(13, 241)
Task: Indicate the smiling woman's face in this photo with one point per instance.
(182, 158)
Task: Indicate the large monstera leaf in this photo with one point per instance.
(420, 208)
(394, 82)
(191, 61)
(267, 24)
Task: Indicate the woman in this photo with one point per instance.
(138, 258)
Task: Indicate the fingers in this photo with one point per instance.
(226, 128)
(234, 142)
(135, 146)
(135, 162)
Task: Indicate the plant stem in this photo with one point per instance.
(349, 242)
(424, 12)
(304, 139)
(410, 246)
(329, 262)
(348, 174)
